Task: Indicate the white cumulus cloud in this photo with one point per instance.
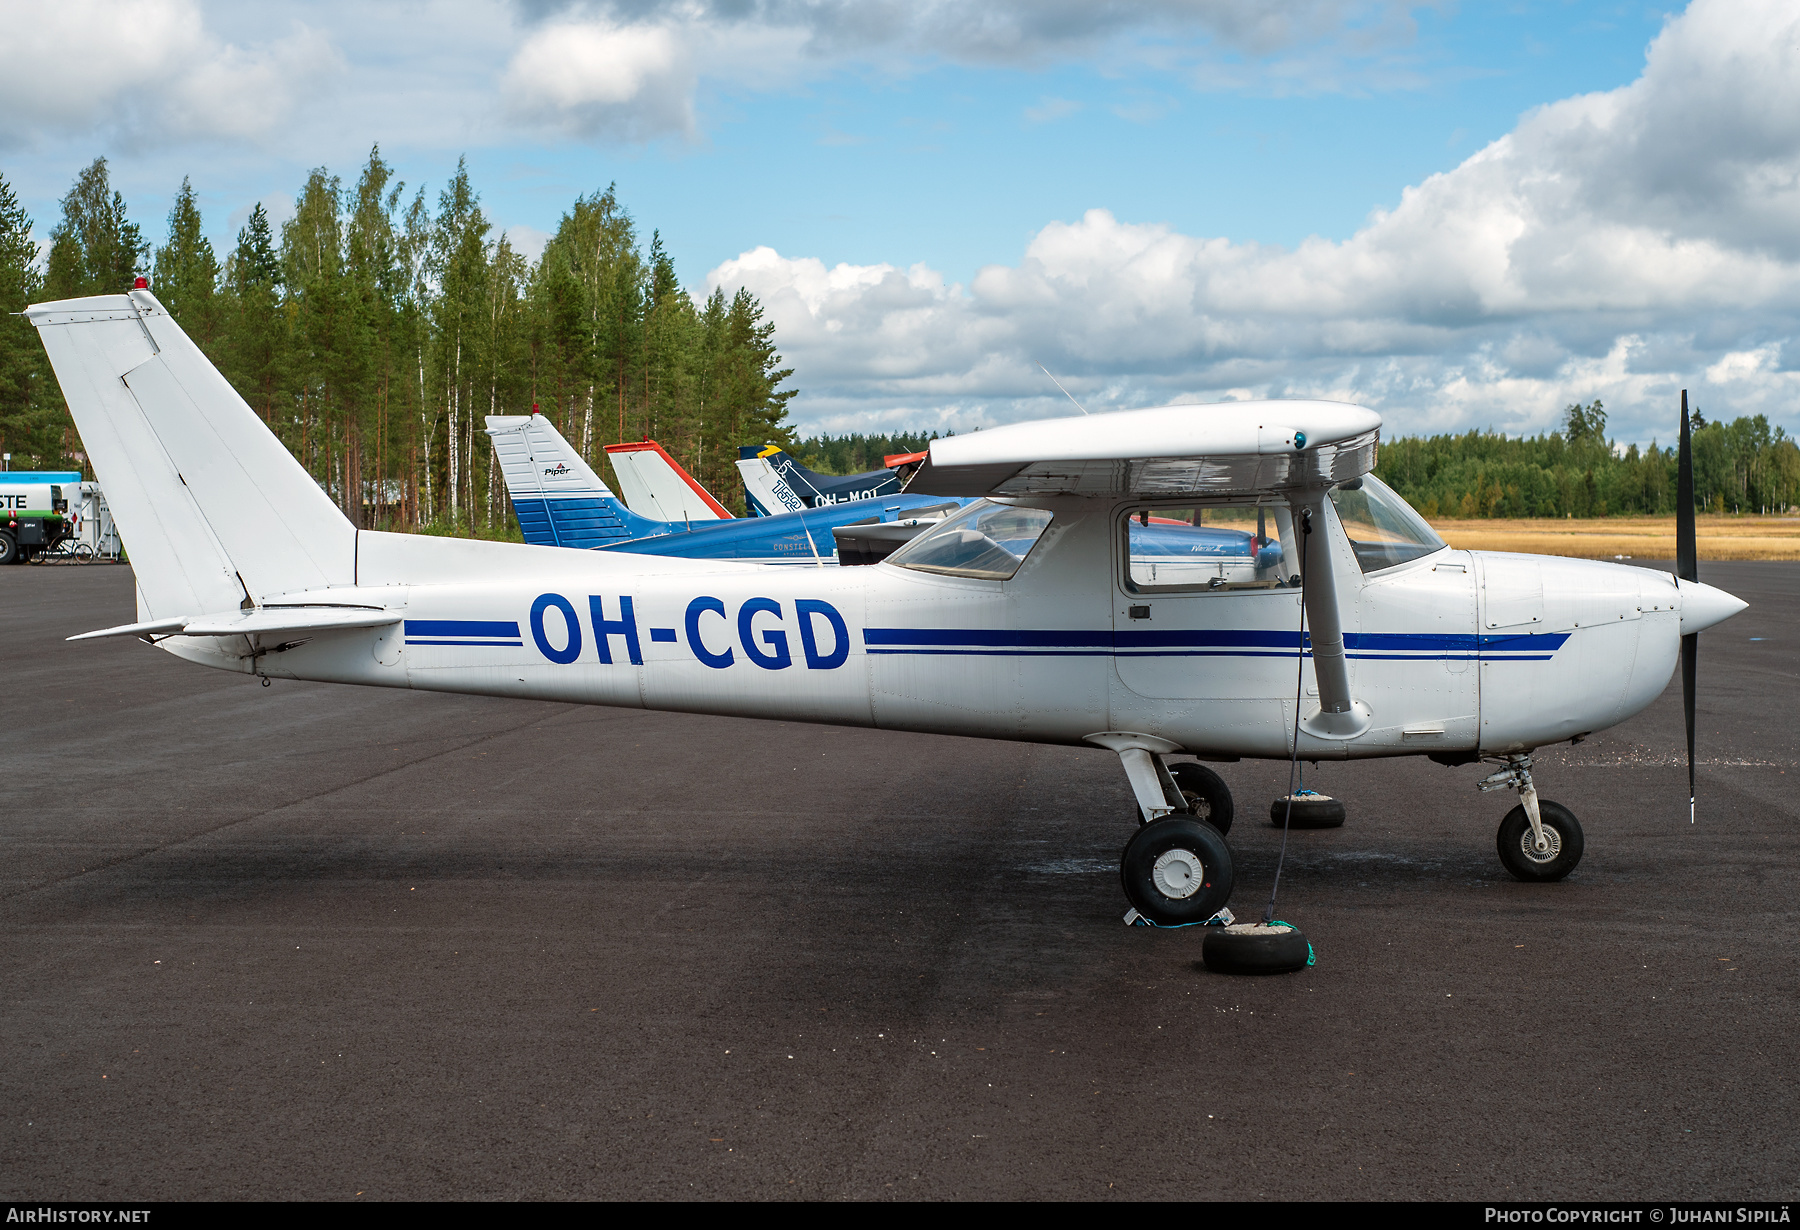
(1619, 245)
(149, 70)
(596, 78)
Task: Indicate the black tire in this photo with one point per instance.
(1311, 811)
(1252, 948)
(1177, 870)
(1209, 798)
(9, 549)
(1514, 842)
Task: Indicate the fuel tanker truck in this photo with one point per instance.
(34, 512)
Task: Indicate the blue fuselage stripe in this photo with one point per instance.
(463, 627)
(1223, 642)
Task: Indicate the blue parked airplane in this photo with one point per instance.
(561, 502)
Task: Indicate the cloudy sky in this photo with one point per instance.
(1463, 215)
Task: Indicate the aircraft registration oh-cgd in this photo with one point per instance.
(1058, 608)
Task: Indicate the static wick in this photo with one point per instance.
(1065, 392)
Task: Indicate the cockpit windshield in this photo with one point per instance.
(1383, 528)
(985, 540)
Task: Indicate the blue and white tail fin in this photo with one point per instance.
(559, 500)
(773, 480)
(216, 513)
(655, 485)
(766, 492)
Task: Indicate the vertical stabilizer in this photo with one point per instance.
(559, 500)
(766, 493)
(213, 508)
(655, 485)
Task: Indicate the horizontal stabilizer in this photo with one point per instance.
(148, 628)
(263, 621)
(1167, 451)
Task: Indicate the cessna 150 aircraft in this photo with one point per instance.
(1038, 612)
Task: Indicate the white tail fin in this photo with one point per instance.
(655, 485)
(537, 462)
(765, 490)
(214, 510)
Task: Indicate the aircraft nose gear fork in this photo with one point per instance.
(1517, 776)
(1538, 840)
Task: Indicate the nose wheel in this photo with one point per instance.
(1534, 860)
(1539, 841)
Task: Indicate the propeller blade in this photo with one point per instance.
(1687, 557)
(1690, 657)
(1687, 567)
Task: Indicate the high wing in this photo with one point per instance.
(656, 485)
(1182, 450)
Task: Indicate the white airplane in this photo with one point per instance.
(1031, 614)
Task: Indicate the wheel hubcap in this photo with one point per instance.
(1177, 874)
(1552, 845)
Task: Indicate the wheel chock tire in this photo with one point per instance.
(1311, 811)
(1251, 948)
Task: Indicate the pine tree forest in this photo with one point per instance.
(375, 329)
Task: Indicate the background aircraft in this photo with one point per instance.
(775, 483)
(561, 502)
(1030, 614)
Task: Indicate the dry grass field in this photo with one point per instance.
(1720, 537)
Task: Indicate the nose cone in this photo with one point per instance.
(1702, 606)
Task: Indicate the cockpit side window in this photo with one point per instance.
(1210, 548)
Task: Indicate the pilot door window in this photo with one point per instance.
(1210, 549)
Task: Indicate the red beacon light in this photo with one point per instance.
(140, 283)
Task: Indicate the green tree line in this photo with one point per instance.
(372, 331)
(855, 453)
(1741, 466)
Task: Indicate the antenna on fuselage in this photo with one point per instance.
(1059, 384)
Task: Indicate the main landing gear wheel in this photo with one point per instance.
(1518, 845)
(1251, 948)
(1177, 870)
(1206, 792)
(1312, 810)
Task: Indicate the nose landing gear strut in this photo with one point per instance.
(1539, 841)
